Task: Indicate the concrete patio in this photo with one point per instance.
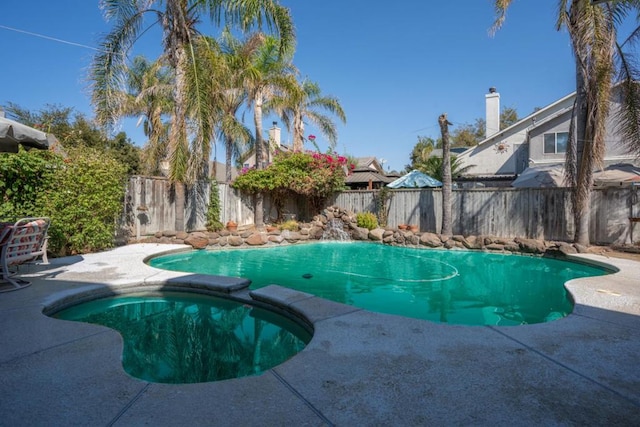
(361, 368)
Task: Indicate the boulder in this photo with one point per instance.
(197, 240)
(377, 234)
(291, 236)
(276, 238)
(316, 232)
(235, 240)
(494, 247)
(413, 239)
(169, 233)
(531, 246)
(567, 249)
(257, 239)
(430, 239)
(473, 242)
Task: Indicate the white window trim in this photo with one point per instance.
(555, 144)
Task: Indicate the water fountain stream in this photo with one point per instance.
(334, 230)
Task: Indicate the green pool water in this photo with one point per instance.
(189, 338)
(457, 287)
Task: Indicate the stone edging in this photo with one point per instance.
(248, 236)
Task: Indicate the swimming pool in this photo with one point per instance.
(180, 338)
(457, 287)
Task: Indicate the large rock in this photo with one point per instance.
(377, 234)
(291, 236)
(316, 232)
(197, 240)
(473, 242)
(235, 240)
(567, 248)
(494, 247)
(182, 235)
(276, 238)
(257, 239)
(430, 239)
(531, 246)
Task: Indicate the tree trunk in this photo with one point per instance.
(178, 145)
(180, 202)
(259, 149)
(228, 159)
(446, 176)
(298, 132)
(580, 195)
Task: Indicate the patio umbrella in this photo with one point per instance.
(541, 177)
(13, 134)
(415, 179)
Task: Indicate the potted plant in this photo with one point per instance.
(232, 226)
(414, 228)
(402, 226)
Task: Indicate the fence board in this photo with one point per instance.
(542, 213)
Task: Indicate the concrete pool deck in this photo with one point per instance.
(361, 368)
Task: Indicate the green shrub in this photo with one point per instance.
(367, 220)
(213, 210)
(291, 225)
(85, 201)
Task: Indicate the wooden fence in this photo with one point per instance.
(542, 213)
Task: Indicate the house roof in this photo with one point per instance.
(532, 120)
(359, 176)
(368, 163)
(221, 171)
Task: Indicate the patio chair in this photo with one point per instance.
(23, 241)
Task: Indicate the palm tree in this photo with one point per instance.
(149, 96)
(433, 167)
(302, 101)
(178, 19)
(446, 176)
(593, 33)
(220, 70)
(266, 70)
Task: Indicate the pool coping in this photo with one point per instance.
(360, 367)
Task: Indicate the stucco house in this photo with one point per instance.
(248, 159)
(535, 140)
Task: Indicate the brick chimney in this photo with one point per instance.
(492, 117)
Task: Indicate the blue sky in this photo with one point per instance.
(394, 66)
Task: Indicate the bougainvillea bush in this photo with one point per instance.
(316, 176)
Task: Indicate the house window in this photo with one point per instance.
(555, 143)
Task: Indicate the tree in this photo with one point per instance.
(149, 96)
(178, 19)
(265, 71)
(303, 101)
(433, 167)
(74, 130)
(446, 176)
(315, 176)
(469, 135)
(421, 152)
(223, 65)
(600, 59)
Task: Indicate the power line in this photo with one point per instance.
(50, 38)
